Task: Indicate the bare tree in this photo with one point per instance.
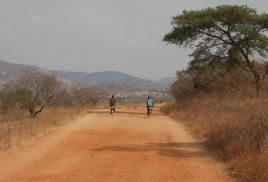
(86, 96)
(33, 91)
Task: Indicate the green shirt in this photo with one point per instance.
(150, 102)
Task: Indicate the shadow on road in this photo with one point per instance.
(176, 150)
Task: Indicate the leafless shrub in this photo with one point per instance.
(32, 91)
(86, 96)
(35, 92)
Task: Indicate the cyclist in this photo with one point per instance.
(150, 105)
(112, 104)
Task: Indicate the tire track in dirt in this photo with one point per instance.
(127, 147)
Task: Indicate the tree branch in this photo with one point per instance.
(214, 36)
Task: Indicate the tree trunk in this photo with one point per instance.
(34, 112)
(31, 111)
(254, 71)
(258, 87)
(257, 80)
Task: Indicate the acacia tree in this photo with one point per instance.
(33, 91)
(236, 32)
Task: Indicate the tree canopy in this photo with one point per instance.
(238, 33)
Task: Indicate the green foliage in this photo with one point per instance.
(212, 78)
(221, 27)
(208, 74)
(198, 78)
(223, 34)
(183, 88)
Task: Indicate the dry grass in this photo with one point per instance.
(236, 129)
(16, 128)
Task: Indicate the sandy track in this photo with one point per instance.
(126, 148)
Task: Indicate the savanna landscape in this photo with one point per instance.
(208, 124)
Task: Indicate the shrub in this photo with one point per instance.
(236, 129)
(183, 88)
(32, 91)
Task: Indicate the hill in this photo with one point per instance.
(167, 81)
(106, 77)
(9, 71)
(112, 81)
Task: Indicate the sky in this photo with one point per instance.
(98, 35)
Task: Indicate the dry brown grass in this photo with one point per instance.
(16, 128)
(236, 129)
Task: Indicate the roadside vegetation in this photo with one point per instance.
(223, 94)
(36, 102)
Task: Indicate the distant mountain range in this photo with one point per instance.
(167, 81)
(10, 71)
(106, 77)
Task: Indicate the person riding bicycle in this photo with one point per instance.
(150, 105)
(112, 104)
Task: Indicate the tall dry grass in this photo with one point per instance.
(17, 128)
(236, 129)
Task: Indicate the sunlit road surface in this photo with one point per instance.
(128, 147)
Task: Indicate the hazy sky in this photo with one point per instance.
(97, 35)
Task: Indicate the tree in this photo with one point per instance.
(33, 91)
(86, 96)
(236, 32)
(183, 88)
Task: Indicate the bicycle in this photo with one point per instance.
(112, 110)
(149, 111)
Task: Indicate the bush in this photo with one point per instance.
(183, 88)
(15, 132)
(32, 91)
(236, 129)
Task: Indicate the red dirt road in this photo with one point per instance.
(128, 147)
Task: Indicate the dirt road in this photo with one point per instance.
(128, 147)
